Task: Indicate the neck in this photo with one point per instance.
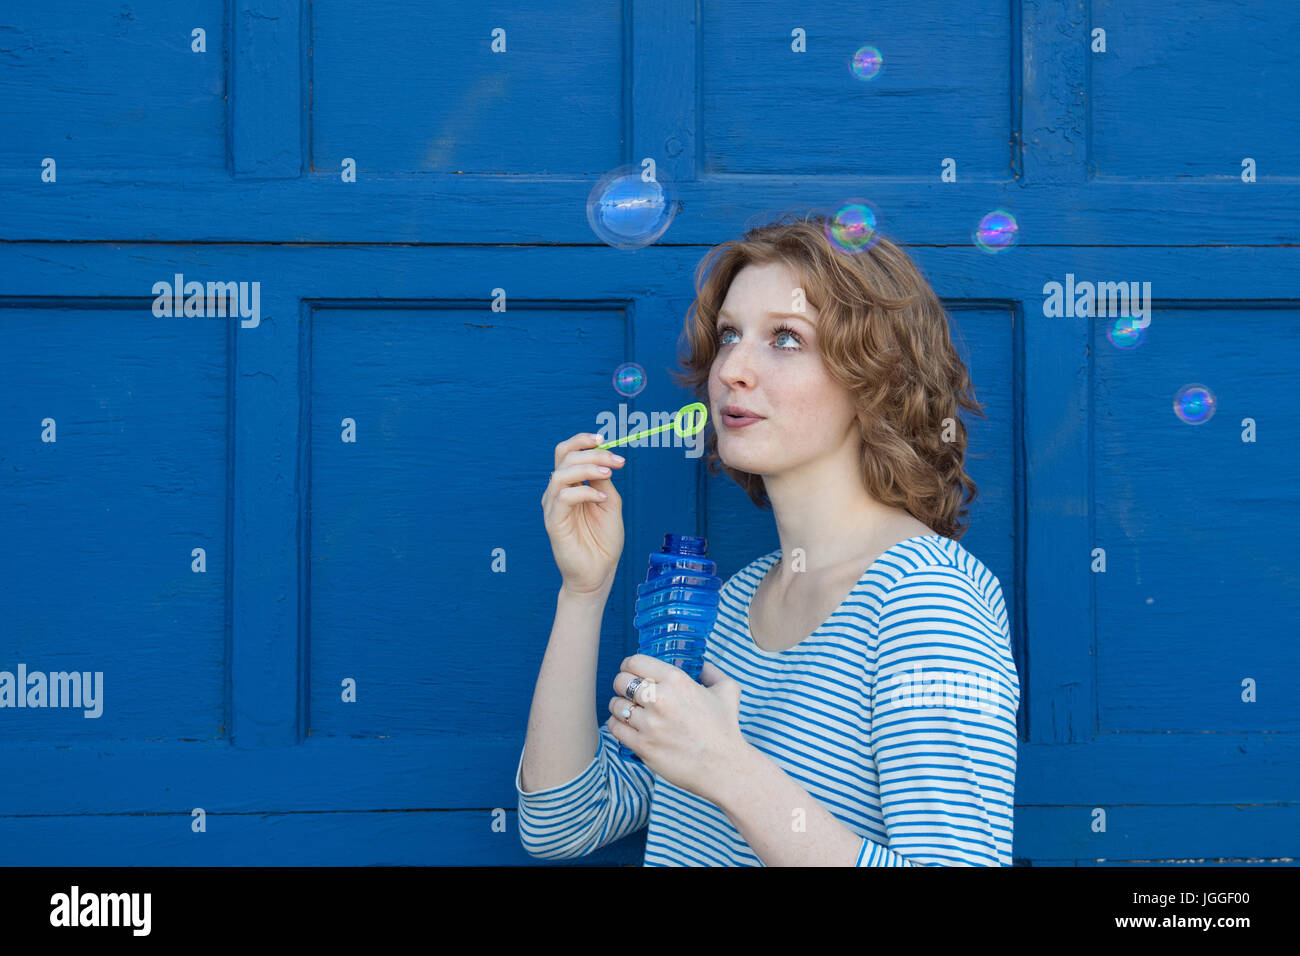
(823, 509)
(831, 536)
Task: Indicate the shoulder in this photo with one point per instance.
(938, 561)
(934, 581)
(940, 611)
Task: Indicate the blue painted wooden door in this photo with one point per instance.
(300, 541)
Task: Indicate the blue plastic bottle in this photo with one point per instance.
(676, 607)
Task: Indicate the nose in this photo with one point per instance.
(735, 366)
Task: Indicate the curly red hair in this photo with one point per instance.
(883, 335)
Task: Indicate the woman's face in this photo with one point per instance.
(806, 416)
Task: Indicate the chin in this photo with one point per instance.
(744, 463)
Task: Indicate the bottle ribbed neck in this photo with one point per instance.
(685, 544)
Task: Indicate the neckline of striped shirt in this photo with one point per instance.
(765, 564)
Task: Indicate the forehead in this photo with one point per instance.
(767, 289)
(767, 279)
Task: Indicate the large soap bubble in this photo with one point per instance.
(627, 210)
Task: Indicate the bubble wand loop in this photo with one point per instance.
(699, 415)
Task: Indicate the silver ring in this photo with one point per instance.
(630, 691)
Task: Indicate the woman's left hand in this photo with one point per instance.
(688, 733)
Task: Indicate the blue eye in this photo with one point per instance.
(783, 330)
(779, 332)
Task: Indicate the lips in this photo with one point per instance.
(733, 416)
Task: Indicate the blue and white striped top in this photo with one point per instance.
(898, 714)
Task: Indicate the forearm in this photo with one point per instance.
(782, 823)
(562, 732)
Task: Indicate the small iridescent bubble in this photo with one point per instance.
(1194, 404)
(629, 379)
(1125, 333)
(996, 232)
(628, 212)
(866, 62)
(855, 228)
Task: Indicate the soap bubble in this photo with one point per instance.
(629, 379)
(855, 228)
(626, 211)
(1125, 333)
(1194, 404)
(996, 232)
(866, 63)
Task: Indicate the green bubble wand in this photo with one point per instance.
(699, 415)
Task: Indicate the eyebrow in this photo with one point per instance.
(723, 313)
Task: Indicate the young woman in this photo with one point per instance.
(858, 701)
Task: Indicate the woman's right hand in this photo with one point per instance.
(586, 531)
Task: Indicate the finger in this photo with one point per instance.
(578, 442)
(575, 492)
(571, 475)
(622, 708)
(578, 494)
(645, 692)
(599, 457)
(571, 497)
(621, 731)
(651, 668)
(710, 675)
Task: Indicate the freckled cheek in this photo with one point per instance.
(797, 409)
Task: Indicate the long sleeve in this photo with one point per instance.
(943, 699)
(605, 802)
